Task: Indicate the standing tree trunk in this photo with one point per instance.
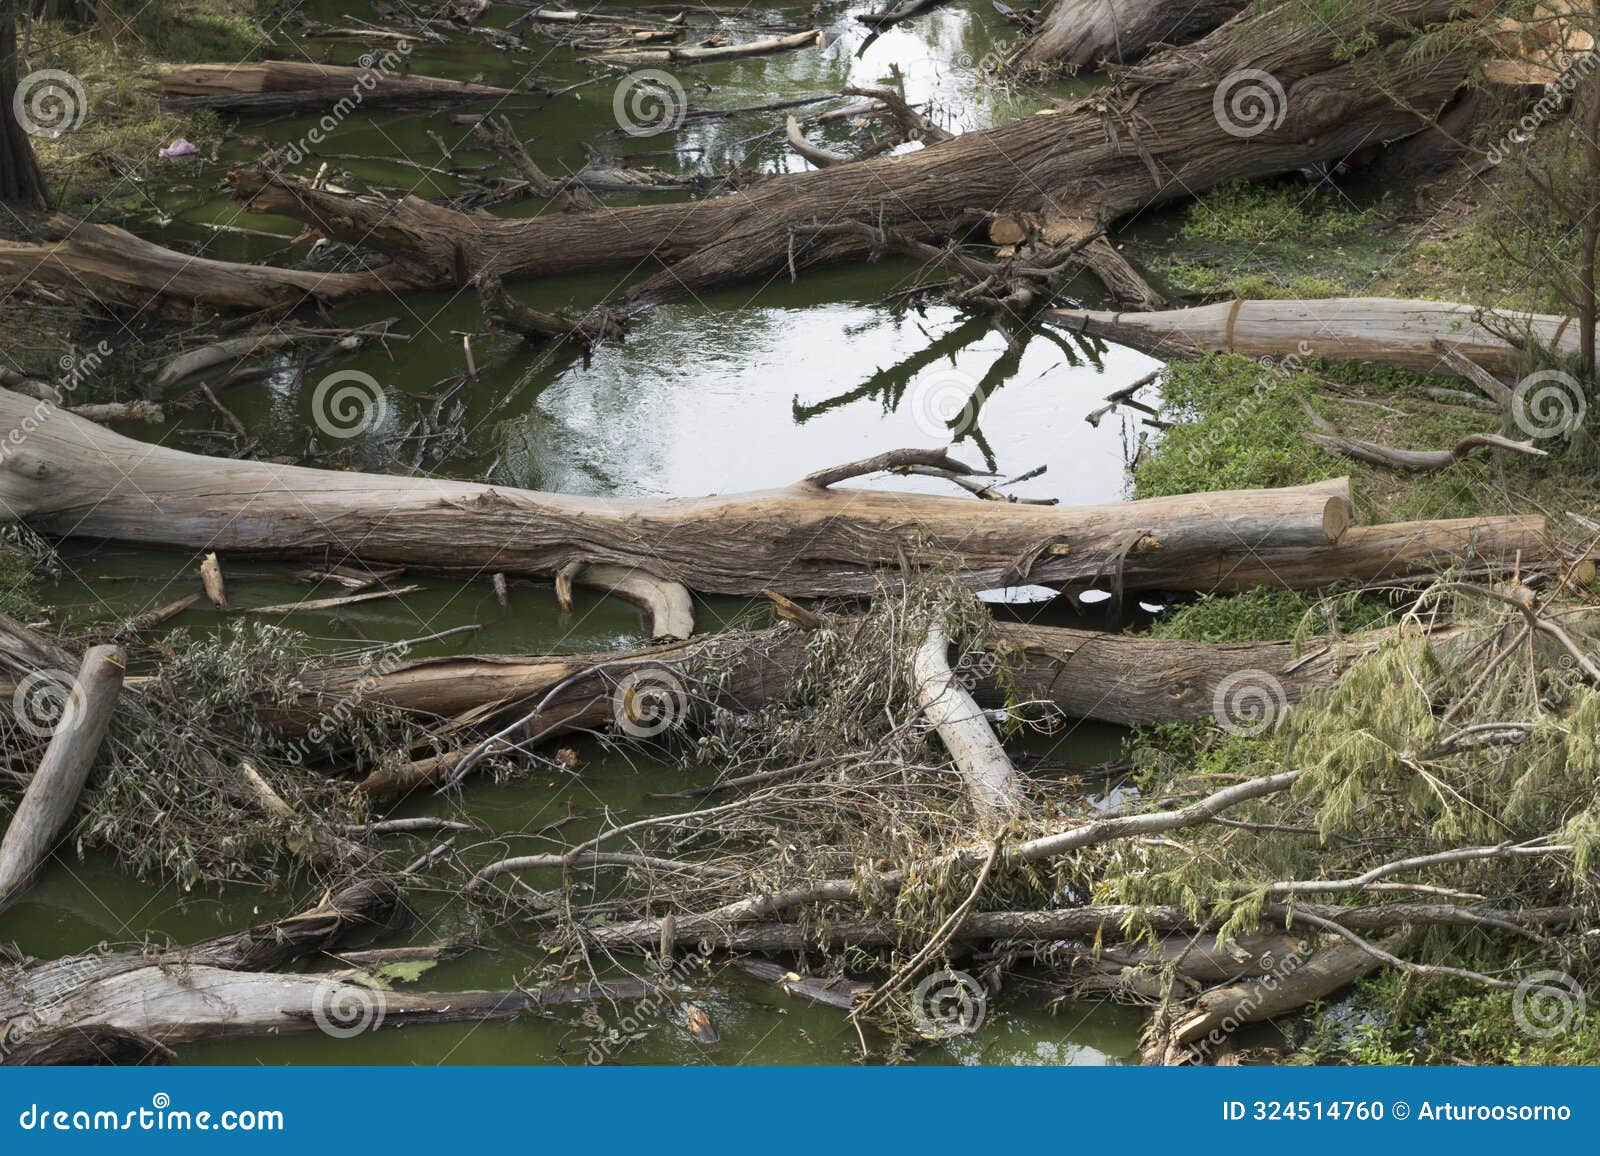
(1589, 227)
(21, 182)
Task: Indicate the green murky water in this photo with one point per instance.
(748, 387)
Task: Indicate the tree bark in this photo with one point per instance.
(1382, 330)
(149, 1000)
(52, 793)
(1117, 678)
(992, 783)
(64, 475)
(21, 182)
(287, 85)
(1086, 33)
(1148, 139)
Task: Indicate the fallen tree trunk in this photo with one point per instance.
(1148, 139)
(215, 990)
(65, 475)
(1066, 923)
(53, 792)
(1218, 1013)
(287, 85)
(1383, 330)
(1086, 33)
(992, 783)
(1116, 678)
(708, 54)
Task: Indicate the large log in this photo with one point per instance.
(52, 793)
(1384, 330)
(55, 1011)
(64, 475)
(287, 85)
(1117, 678)
(1150, 138)
(1087, 33)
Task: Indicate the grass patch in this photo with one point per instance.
(123, 125)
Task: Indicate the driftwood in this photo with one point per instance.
(1107, 920)
(70, 476)
(53, 792)
(216, 989)
(1086, 33)
(506, 312)
(286, 85)
(992, 783)
(711, 54)
(563, 195)
(1098, 155)
(668, 604)
(1117, 678)
(1190, 1033)
(1396, 458)
(820, 157)
(1412, 334)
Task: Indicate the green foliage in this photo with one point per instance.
(1445, 1021)
(1264, 615)
(1238, 427)
(1284, 213)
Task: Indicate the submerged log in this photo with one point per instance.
(286, 85)
(1411, 334)
(52, 793)
(708, 54)
(1086, 33)
(1130, 146)
(69, 476)
(215, 989)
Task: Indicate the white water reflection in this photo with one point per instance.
(712, 402)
